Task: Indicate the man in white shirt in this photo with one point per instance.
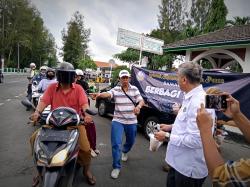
(184, 151)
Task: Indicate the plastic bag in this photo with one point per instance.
(154, 144)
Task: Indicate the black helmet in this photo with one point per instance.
(50, 73)
(65, 73)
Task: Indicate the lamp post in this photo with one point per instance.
(2, 60)
(18, 64)
(111, 61)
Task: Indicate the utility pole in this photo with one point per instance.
(111, 62)
(2, 51)
(18, 56)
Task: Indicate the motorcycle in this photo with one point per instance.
(56, 149)
(35, 93)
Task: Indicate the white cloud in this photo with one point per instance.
(104, 17)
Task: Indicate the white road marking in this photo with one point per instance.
(17, 96)
(8, 99)
(1, 104)
(102, 144)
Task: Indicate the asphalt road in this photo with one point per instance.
(144, 168)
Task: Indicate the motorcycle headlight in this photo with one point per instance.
(59, 157)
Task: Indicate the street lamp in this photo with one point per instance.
(111, 61)
(2, 60)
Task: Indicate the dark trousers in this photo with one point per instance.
(91, 133)
(29, 92)
(176, 179)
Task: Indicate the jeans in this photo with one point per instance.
(116, 140)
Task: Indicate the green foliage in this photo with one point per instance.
(158, 61)
(116, 71)
(190, 31)
(75, 40)
(87, 63)
(199, 13)
(170, 15)
(21, 25)
(130, 55)
(239, 21)
(216, 16)
(236, 68)
(206, 64)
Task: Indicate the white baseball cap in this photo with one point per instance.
(124, 73)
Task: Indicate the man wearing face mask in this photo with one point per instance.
(50, 78)
(41, 75)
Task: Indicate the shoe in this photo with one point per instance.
(124, 157)
(115, 173)
(93, 153)
(166, 167)
(97, 151)
(90, 178)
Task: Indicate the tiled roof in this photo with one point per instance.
(234, 35)
(104, 64)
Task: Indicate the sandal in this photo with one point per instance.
(35, 181)
(91, 180)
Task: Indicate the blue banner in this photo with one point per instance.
(160, 89)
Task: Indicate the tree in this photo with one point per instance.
(130, 55)
(87, 63)
(239, 21)
(158, 61)
(216, 16)
(22, 28)
(199, 13)
(116, 71)
(75, 40)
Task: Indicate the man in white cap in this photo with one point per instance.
(126, 96)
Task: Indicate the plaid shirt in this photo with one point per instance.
(232, 174)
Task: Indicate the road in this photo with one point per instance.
(144, 168)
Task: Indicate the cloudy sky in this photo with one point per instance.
(104, 17)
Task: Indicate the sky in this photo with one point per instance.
(104, 17)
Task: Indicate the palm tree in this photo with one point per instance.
(239, 21)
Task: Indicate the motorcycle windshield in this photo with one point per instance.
(51, 135)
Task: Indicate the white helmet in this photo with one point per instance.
(79, 72)
(43, 68)
(32, 65)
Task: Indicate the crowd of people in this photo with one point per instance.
(192, 153)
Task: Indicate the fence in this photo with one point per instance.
(14, 70)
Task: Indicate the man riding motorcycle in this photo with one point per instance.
(30, 77)
(50, 78)
(41, 75)
(68, 94)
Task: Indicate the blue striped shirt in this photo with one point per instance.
(123, 105)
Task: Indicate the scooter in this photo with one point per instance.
(35, 93)
(56, 149)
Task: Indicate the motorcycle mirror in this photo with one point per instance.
(27, 103)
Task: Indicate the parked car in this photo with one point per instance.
(147, 119)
